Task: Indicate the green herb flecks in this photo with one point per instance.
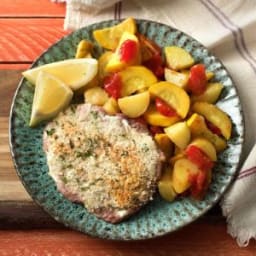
(145, 148)
(124, 153)
(95, 114)
(85, 154)
(50, 132)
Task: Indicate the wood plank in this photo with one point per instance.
(29, 222)
(9, 80)
(13, 66)
(31, 8)
(202, 238)
(10, 186)
(23, 40)
(25, 215)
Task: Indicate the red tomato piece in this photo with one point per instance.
(197, 79)
(112, 85)
(140, 120)
(128, 50)
(213, 128)
(195, 155)
(198, 184)
(155, 64)
(164, 108)
(156, 129)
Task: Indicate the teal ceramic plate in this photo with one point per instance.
(157, 217)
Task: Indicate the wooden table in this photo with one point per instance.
(26, 29)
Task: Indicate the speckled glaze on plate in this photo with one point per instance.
(157, 217)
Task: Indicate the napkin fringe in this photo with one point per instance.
(242, 235)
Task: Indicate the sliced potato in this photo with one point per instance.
(96, 96)
(210, 95)
(109, 37)
(165, 187)
(103, 61)
(84, 49)
(135, 105)
(173, 95)
(198, 128)
(177, 58)
(182, 170)
(205, 146)
(214, 115)
(179, 134)
(136, 78)
(153, 117)
(177, 78)
(164, 144)
(115, 63)
(111, 106)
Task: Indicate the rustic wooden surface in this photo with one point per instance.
(27, 28)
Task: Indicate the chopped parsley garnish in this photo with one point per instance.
(84, 155)
(145, 148)
(50, 132)
(124, 153)
(64, 179)
(95, 114)
(73, 108)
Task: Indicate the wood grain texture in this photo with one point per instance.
(13, 66)
(202, 238)
(23, 40)
(10, 185)
(31, 8)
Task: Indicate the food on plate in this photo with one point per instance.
(197, 81)
(50, 97)
(84, 49)
(109, 38)
(136, 79)
(164, 144)
(141, 103)
(96, 96)
(111, 106)
(76, 73)
(177, 58)
(108, 163)
(165, 186)
(206, 147)
(155, 118)
(210, 95)
(179, 134)
(178, 78)
(218, 121)
(102, 62)
(199, 128)
(175, 97)
(135, 105)
(126, 54)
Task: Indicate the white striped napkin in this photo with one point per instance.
(227, 28)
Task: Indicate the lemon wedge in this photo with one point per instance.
(76, 73)
(51, 96)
